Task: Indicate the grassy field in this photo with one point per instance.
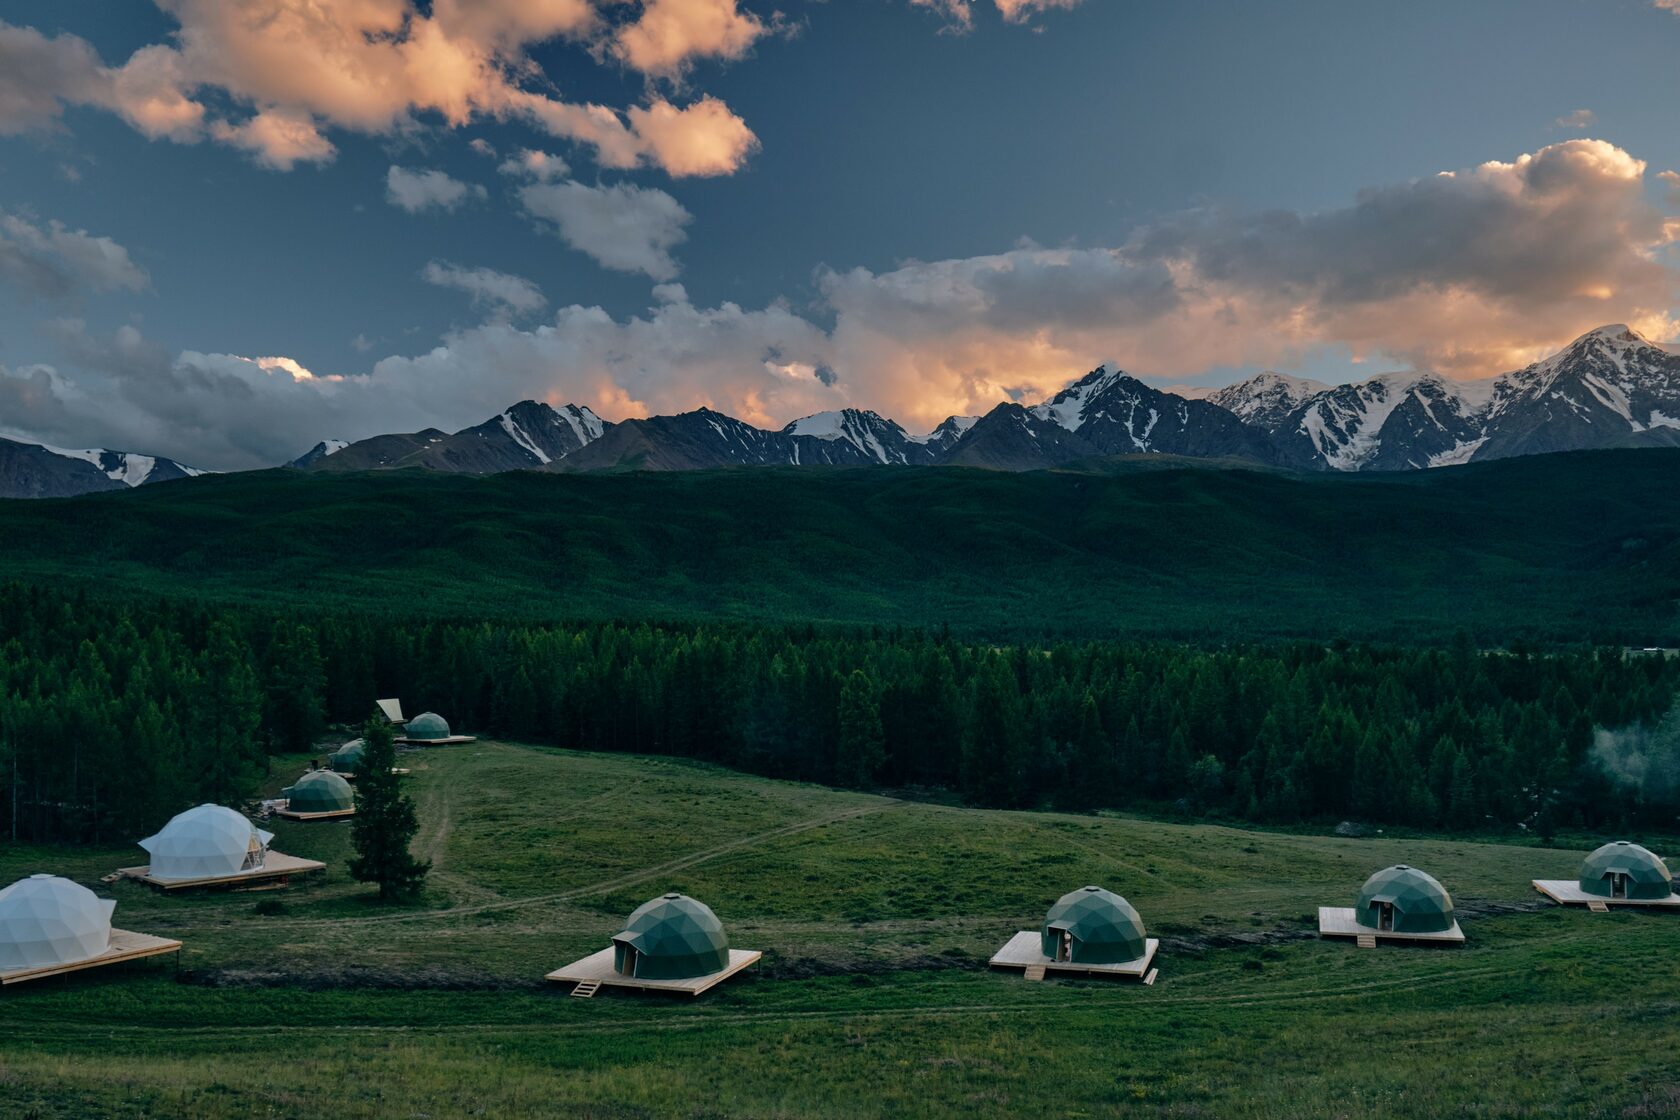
(1560, 548)
(876, 917)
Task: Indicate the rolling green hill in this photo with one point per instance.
(876, 917)
(1568, 548)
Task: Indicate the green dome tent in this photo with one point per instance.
(1403, 899)
(1624, 870)
(671, 938)
(427, 726)
(319, 791)
(348, 758)
(1093, 926)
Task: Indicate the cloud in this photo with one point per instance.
(1669, 5)
(1580, 118)
(1671, 179)
(704, 139)
(378, 67)
(38, 75)
(55, 262)
(959, 14)
(626, 228)
(535, 165)
(501, 292)
(1471, 273)
(278, 139)
(671, 34)
(415, 191)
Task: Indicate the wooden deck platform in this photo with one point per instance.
(1338, 921)
(125, 946)
(276, 871)
(449, 742)
(597, 968)
(1569, 893)
(350, 776)
(335, 815)
(1023, 952)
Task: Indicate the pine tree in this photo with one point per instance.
(384, 824)
(862, 746)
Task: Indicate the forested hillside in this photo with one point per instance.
(1563, 548)
(117, 714)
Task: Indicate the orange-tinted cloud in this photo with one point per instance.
(376, 66)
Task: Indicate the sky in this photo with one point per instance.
(232, 228)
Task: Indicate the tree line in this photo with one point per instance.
(117, 712)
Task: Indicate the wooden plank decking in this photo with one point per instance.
(1569, 893)
(1023, 952)
(597, 969)
(277, 870)
(1338, 921)
(125, 946)
(335, 815)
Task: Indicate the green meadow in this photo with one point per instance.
(876, 917)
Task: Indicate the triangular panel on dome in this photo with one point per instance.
(1398, 903)
(669, 944)
(212, 845)
(50, 926)
(1616, 874)
(1087, 932)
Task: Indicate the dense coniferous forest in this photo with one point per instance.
(1570, 549)
(117, 713)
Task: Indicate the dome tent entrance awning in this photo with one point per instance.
(1397, 903)
(1616, 874)
(50, 926)
(1087, 932)
(669, 944)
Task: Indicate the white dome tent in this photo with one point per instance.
(50, 926)
(47, 921)
(207, 842)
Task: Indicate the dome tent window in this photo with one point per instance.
(1397, 903)
(1620, 873)
(672, 943)
(1091, 932)
(49, 926)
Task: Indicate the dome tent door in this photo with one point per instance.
(1385, 915)
(1618, 884)
(1064, 944)
(625, 958)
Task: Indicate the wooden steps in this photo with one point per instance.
(1033, 972)
(1598, 908)
(586, 989)
(1367, 940)
(1150, 979)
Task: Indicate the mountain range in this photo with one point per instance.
(1609, 388)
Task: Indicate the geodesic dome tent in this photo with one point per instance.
(1403, 899)
(348, 758)
(1624, 870)
(205, 843)
(1093, 926)
(46, 921)
(319, 791)
(672, 937)
(427, 726)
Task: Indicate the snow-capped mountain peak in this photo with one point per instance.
(876, 437)
(1266, 398)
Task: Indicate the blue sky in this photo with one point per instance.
(899, 166)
